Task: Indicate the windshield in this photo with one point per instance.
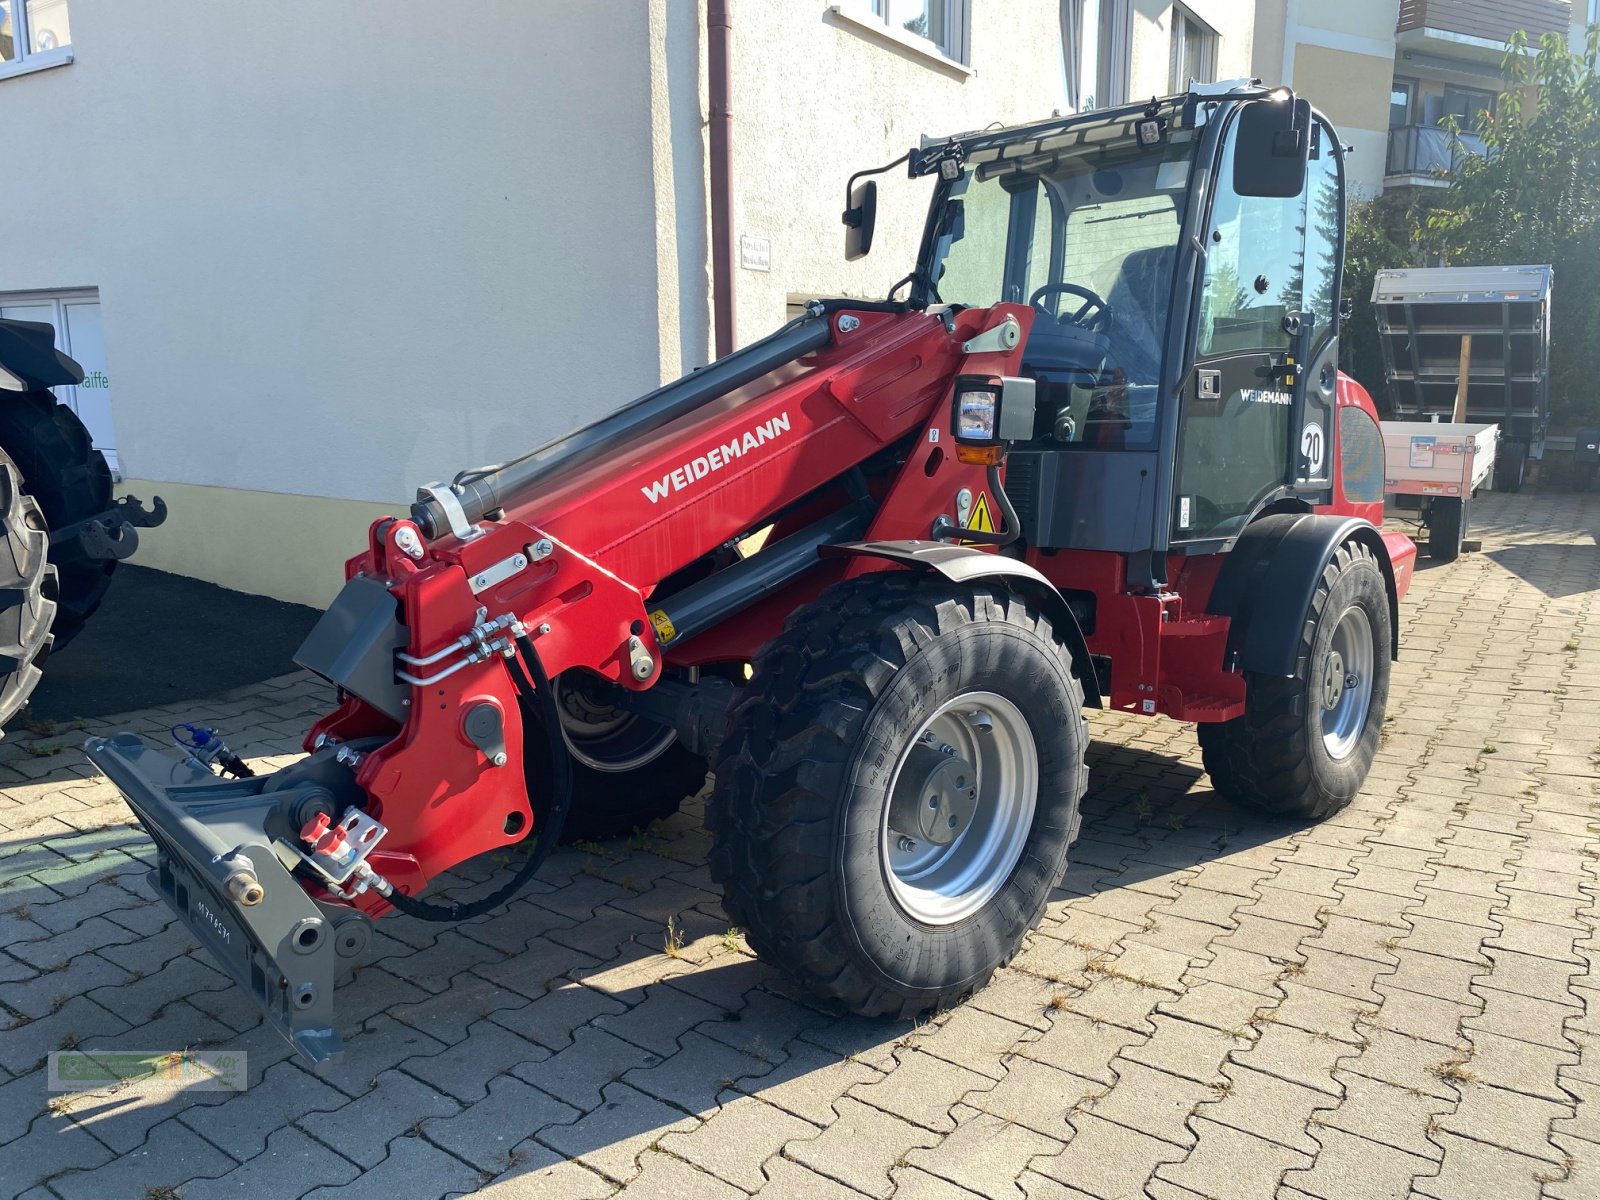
(1088, 235)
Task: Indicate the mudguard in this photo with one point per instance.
(967, 564)
(1269, 577)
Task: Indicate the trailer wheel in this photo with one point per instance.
(70, 480)
(1304, 744)
(1447, 527)
(627, 770)
(27, 591)
(1510, 465)
(897, 791)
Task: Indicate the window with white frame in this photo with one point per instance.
(1194, 50)
(945, 23)
(33, 33)
(1094, 53)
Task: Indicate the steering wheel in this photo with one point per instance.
(1094, 313)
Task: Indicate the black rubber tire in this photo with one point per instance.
(1447, 527)
(1510, 466)
(607, 804)
(27, 591)
(70, 479)
(1273, 758)
(802, 780)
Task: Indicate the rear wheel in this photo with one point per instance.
(27, 591)
(627, 770)
(1305, 744)
(70, 480)
(1447, 527)
(897, 791)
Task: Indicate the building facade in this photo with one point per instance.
(1391, 73)
(318, 252)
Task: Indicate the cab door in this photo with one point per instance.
(1247, 431)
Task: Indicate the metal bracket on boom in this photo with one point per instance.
(447, 499)
(1002, 337)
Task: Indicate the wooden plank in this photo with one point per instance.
(1461, 381)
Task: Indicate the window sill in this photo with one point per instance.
(37, 62)
(918, 47)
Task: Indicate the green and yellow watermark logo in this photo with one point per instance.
(189, 1070)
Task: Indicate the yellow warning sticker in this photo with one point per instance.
(665, 631)
(980, 521)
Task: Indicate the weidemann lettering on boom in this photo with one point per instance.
(716, 458)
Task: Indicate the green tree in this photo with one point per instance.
(1534, 197)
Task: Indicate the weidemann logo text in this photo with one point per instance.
(715, 459)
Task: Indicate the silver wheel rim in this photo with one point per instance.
(974, 761)
(604, 738)
(1343, 682)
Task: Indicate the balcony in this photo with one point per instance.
(1478, 25)
(1426, 156)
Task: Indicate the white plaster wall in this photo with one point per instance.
(345, 248)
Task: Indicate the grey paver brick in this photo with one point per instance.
(242, 1124)
(289, 1155)
(809, 1081)
(1381, 1112)
(1106, 1159)
(413, 1167)
(1528, 1018)
(734, 1142)
(610, 1137)
(485, 1133)
(984, 1155)
(464, 1070)
(694, 1076)
(1227, 1162)
(1506, 1119)
(974, 1039)
(1473, 1169)
(1266, 1105)
(663, 1177)
(1084, 1047)
(1353, 1168)
(659, 1020)
(1150, 1101)
(171, 1155)
(1188, 1050)
(860, 1147)
(25, 1045)
(579, 1073)
(363, 1128)
(790, 1181)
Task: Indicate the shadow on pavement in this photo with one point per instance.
(160, 639)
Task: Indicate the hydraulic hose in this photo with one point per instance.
(1011, 524)
(539, 692)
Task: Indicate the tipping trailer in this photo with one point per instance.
(1486, 326)
(869, 570)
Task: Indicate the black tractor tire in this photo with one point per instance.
(27, 591)
(799, 809)
(70, 479)
(1510, 466)
(608, 804)
(626, 772)
(1274, 758)
(1447, 527)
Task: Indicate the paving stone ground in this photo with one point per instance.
(1400, 1001)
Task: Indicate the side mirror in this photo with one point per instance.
(1271, 149)
(859, 219)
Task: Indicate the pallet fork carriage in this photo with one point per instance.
(1118, 342)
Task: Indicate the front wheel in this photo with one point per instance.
(1305, 744)
(898, 790)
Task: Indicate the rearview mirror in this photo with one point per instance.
(859, 219)
(1272, 145)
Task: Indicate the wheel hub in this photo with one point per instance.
(935, 794)
(1333, 680)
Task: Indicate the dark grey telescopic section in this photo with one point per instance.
(644, 416)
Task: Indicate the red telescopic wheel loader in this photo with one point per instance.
(1095, 450)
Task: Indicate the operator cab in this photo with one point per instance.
(1175, 309)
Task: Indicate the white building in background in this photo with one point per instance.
(316, 252)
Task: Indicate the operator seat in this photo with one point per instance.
(1139, 300)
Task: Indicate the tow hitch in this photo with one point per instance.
(226, 850)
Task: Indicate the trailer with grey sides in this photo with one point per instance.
(1471, 344)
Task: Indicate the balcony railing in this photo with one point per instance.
(1488, 20)
(1429, 150)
